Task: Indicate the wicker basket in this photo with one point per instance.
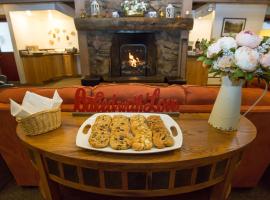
(41, 122)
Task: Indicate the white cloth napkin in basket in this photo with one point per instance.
(33, 103)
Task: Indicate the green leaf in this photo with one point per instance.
(238, 73)
(233, 50)
(249, 76)
(201, 58)
(264, 39)
(208, 62)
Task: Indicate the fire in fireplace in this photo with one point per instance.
(133, 54)
(133, 59)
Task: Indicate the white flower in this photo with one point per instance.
(246, 58)
(225, 62)
(227, 43)
(265, 60)
(215, 65)
(213, 49)
(248, 39)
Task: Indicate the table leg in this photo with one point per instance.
(48, 188)
(221, 191)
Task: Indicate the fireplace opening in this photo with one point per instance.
(133, 59)
(133, 54)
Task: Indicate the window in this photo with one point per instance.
(5, 40)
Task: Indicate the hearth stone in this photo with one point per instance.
(175, 80)
(134, 79)
(91, 80)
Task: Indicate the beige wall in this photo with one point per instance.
(254, 15)
(2, 12)
(40, 27)
(202, 28)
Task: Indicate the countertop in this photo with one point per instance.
(38, 54)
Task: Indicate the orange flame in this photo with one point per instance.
(133, 61)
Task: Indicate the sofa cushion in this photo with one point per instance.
(198, 95)
(127, 91)
(17, 94)
(255, 83)
(250, 95)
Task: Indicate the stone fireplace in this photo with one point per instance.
(120, 49)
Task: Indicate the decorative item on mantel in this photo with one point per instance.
(152, 14)
(170, 11)
(83, 13)
(115, 14)
(161, 14)
(95, 8)
(238, 59)
(134, 8)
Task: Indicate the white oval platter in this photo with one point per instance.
(82, 139)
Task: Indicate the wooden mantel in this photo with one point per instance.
(133, 23)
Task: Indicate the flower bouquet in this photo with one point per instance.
(236, 60)
(134, 8)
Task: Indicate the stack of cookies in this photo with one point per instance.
(100, 133)
(121, 137)
(161, 135)
(121, 133)
(142, 134)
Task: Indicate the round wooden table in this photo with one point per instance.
(206, 159)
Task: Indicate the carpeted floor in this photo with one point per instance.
(65, 82)
(13, 192)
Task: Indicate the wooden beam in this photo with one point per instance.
(234, 1)
(133, 23)
(32, 1)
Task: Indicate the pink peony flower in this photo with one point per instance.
(265, 60)
(246, 58)
(227, 43)
(213, 49)
(248, 39)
